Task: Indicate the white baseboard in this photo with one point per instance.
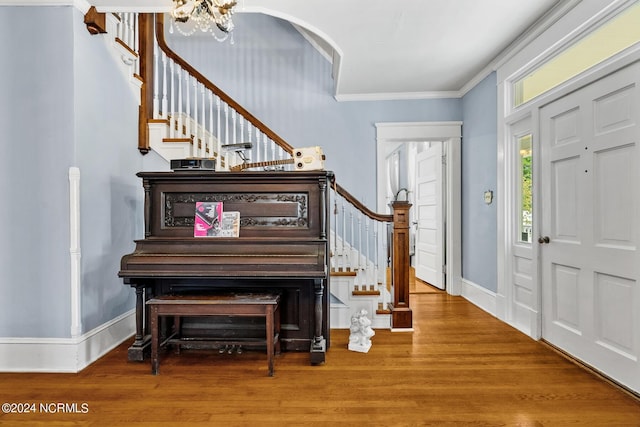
(69, 355)
(479, 296)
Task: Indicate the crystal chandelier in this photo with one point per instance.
(204, 15)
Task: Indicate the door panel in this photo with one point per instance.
(590, 199)
(429, 216)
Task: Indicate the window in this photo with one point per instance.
(525, 197)
(613, 37)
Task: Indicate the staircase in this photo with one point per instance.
(182, 114)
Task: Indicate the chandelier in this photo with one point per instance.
(204, 15)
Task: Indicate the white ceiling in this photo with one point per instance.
(393, 48)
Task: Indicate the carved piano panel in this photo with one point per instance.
(283, 245)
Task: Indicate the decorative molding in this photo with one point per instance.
(95, 21)
(75, 251)
(417, 131)
(68, 355)
(397, 96)
(292, 208)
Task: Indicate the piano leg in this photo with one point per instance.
(319, 344)
(136, 351)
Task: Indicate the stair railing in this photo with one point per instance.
(370, 246)
(374, 248)
(199, 112)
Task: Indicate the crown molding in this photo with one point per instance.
(398, 96)
(535, 30)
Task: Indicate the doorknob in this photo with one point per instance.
(544, 239)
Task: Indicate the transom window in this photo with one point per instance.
(611, 38)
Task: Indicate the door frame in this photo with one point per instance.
(390, 136)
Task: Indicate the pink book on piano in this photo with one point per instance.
(208, 219)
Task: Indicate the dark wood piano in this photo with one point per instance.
(283, 246)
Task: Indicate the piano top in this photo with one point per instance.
(283, 226)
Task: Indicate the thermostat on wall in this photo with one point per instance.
(488, 197)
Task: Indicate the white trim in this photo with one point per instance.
(75, 251)
(388, 137)
(65, 354)
(397, 96)
(411, 131)
(453, 226)
(479, 296)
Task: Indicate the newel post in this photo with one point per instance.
(401, 315)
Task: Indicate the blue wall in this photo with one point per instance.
(479, 174)
(273, 72)
(64, 103)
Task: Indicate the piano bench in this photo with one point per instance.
(228, 304)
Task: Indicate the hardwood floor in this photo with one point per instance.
(460, 367)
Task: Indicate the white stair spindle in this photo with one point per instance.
(212, 149)
(352, 241)
(172, 111)
(258, 152)
(164, 85)
(203, 120)
(122, 28)
(180, 99)
(367, 259)
(343, 264)
(249, 139)
(264, 147)
(226, 124)
(218, 108)
(136, 39)
(335, 241)
(273, 148)
(194, 120)
(187, 116)
(359, 241)
(234, 118)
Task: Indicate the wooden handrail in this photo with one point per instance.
(215, 89)
(362, 208)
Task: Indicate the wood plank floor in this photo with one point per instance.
(460, 367)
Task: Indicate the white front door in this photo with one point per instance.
(429, 215)
(589, 235)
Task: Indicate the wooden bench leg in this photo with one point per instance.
(277, 326)
(155, 340)
(270, 338)
(177, 331)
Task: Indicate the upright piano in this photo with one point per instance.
(283, 245)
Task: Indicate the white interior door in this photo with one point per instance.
(590, 266)
(429, 215)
